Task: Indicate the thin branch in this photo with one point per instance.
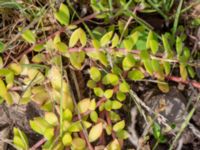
(84, 131)
(38, 144)
(180, 80)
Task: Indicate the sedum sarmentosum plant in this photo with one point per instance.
(114, 58)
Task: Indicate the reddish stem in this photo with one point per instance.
(180, 80)
(110, 124)
(88, 143)
(38, 144)
(102, 138)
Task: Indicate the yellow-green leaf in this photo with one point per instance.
(39, 125)
(77, 58)
(97, 55)
(84, 105)
(82, 37)
(108, 93)
(49, 133)
(96, 43)
(191, 71)
(167, 46)
(94, 116)
(1, 47)
(179, 46)
(74, 38)
(121, 96)
(114, 145)
(67, 115)
(122, 134)
(128, 44)
(154, 46)
(116, 104)
(115, 40)
(124, 87)
(95, 74)
(128, 62)
(148, 66)
(61, 47)
(164, 87)
(135, 75)
(92, 104)
(183, 71)
(4, 93)
(119, 126)
(63, 15)
(110, 78)
(98, 92)
(167, 67)
(106, 38)
(78, 34)
(29, 36)
(20, 139)
(78, 144)
(95, 132)
(51, 118)
(54, 76)
(38, 47)
(67, 139)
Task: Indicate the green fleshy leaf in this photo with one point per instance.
(63, 15)
(39, 125)
(106, 38)
(108, 93)
(95, 132)
(4, 93)
(167, 67)
(128, 62)
(91, 84)
(78, 144)
(148, 66)
(78, 34)
(156, 130)
(61, 47)
(116, 104)
(124, 87)
(108, 105)
(67, 115)
(51, 118)
(119, 126)
(94, 116)
(183, 72)
(77, 58)
(110, 78)
(152, 42)
(191, 71)
(49, 133)
(67, 139)
(144, 55)
(121, 96)
(2, 47)
(115, 41)
(20, 139)
(84, 105)
(29, 36)
(98, 92)
(179, 46)
(95, 74)
(135, 75)
(122, 134)
(164, 87)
